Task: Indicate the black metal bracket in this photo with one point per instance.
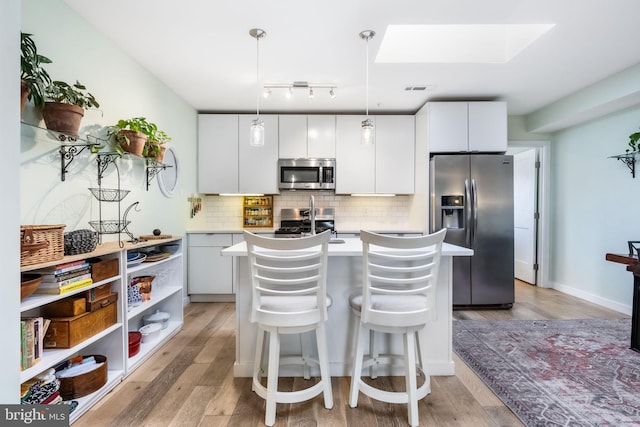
(629, 160)
(154, 168)
(104, 160)
(68, 152)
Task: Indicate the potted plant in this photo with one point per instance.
(634, 144)
(132, 134)
(156, 145)
(34, 78)
(64, 106)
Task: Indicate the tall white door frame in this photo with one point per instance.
(543, 245)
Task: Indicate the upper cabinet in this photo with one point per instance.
(478, 126)
(386, 167)
(226, 161)
(395, 154)
(302, 136)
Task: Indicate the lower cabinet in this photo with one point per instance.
(100, 321)
(210, 275)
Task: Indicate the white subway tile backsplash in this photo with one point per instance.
(352, 213)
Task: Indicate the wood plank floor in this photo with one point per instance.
(190, 382)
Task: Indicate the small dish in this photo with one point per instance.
(150, 332)
(140, 259)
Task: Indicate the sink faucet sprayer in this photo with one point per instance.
(312, 214)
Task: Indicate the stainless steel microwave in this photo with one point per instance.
(307, 174)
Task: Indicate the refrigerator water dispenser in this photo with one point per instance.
(452, 211)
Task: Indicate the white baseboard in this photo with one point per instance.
(604, 302)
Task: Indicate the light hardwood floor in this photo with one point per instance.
(190, 382)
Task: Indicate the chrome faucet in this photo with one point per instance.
(312, 214)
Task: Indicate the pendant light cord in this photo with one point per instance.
(258, 76)
(367, 79)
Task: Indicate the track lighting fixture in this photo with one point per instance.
(311, 88)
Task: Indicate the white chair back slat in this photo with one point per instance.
(399, 278)
(288, 279)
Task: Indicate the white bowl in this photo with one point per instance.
(150, 332)
(157, 316)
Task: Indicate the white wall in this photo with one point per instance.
(595, 207)
(124, 89)
(10, 196)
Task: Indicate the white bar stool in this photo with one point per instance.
(289, 296)
(398, 297)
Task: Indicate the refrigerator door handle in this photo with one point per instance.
(474, 192)
(468, 211)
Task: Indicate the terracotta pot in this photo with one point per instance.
(24, 95)
(63, 118)
(136, 141)
(160, 155)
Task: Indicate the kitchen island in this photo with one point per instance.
(343, 279)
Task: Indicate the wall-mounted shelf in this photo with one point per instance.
(153, 168)
(70, 146)
(628, 159)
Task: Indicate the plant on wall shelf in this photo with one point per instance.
(634, 143)
(155, 146)
(132, 134)
(65, 105)
(34, 78)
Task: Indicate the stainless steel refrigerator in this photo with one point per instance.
(472, 196)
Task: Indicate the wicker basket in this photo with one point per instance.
(80, 242)
(41, 243)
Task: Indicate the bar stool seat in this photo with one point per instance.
(397, 297)
(289, 296)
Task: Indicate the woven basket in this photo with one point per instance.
(41, 243)
(80, 242)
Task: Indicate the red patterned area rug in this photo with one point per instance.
(556, 372)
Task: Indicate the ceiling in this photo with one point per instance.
(203, 51)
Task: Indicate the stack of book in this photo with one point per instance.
(64, 278)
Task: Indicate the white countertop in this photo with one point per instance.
(351, 247)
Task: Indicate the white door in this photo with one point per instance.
(525, 202)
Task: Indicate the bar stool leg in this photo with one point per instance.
(373, 353)
(272, 377)
(258, 368)
(357, 366)
(410, 377)
(305, 345)
(323, 358)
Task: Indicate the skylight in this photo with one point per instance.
(490, 43)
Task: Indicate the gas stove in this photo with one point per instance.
(295, 222)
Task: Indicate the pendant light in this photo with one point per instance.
(256, 137)
(368, 129)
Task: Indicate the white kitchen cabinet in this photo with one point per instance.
(166, 295)
(258, 165)
(218, 166)
(355, 162)
(476, 126)
(307, 136)
(386, 167)
(395, 154)
(210, 274)
(226, 161)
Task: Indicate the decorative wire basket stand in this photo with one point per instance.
(109, 226)
(109, 194)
